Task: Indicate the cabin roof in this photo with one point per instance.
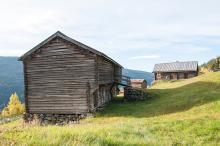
(63, 36)
(139, 81)
(176, 66)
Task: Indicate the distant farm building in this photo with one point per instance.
(139, 83)
(64, 76)
(176, 70)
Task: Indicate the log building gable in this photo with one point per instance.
(66, 38)
(65, 78)
(57, 78)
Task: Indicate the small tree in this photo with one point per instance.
(218, 62)
(14, 107)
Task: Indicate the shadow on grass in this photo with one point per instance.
(165, 101)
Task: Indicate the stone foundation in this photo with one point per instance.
(58, 119)
(133, 94)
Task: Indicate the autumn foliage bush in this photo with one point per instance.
(14, 107)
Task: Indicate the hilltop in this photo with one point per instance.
(183, 112)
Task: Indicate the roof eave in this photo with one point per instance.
(63, 36)
(38, 46)
(174, 71)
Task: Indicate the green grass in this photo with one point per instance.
(185, 112)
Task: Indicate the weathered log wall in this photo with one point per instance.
(105, 71)
(107, 74)
(57, 79)
(63, 78)
(104, 95)
(174, 75)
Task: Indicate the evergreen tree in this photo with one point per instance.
(14, 107)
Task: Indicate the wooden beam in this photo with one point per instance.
(26, 87)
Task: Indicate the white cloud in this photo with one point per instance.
(196, 49)
(145, 57)
(118, 28)
(14, 52)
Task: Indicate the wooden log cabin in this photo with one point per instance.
(64, 76)
(139, 83)
(176, 70)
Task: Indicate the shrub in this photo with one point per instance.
(213, 64)
(203, 70)
(14, 107)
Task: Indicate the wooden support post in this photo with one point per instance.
(88, 96)
(112, 86)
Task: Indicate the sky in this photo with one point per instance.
(135, 33)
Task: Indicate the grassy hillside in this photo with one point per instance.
(183, 112)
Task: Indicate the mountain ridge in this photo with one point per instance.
(138, 74)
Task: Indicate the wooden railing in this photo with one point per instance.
(123, 80)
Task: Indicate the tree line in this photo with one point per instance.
(212, 65)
